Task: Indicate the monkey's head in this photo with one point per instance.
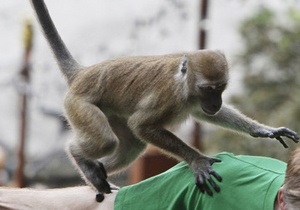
(208, 76)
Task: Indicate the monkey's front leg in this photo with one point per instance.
(231, 118)
(200, 164)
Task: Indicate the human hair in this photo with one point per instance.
(291, 186)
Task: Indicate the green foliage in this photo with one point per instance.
(270, 62)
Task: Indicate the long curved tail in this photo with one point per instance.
(68, 65)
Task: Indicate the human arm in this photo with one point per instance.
(75, 198)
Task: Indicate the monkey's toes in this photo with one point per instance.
(102, 185)
(99, 197)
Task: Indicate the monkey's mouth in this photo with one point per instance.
(210, 112)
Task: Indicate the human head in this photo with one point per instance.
(289, 193)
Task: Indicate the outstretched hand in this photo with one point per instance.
(278, 133)
(203, 176)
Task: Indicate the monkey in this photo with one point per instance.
(115, 108)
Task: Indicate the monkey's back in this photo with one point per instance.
(122, 84)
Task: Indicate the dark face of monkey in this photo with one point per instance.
(211, 98)
(209, 76)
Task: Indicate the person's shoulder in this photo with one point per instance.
(262, 162)
(225, 156)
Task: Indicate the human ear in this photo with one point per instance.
(280, 202)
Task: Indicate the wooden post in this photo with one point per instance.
(203, 24)
(25, 76)
(196, 141)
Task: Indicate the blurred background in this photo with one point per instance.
(261, 39)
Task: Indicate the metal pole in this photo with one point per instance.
(25, 75)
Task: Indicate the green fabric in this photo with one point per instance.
(249, 182)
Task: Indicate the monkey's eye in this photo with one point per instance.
(206, 88)
(209, 88)
(221, 87)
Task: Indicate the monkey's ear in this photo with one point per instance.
(183, 65)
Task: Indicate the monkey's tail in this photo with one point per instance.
(68, 65)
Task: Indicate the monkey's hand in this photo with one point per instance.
(203, 171)
(277, 133)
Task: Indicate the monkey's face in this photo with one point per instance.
(207, 78)
(211, 76)
(211, 98)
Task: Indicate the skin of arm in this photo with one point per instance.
(75, 198)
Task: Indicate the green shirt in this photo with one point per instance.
(249, 182)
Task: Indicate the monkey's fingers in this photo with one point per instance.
(213, 184)
(216, 175)
(282, 142)
(287, 133)
(202, 181)
(292, 135)
(214, 160)
(202, 184)
(199, 181)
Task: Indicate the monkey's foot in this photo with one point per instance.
(100, 182)
(99, 179)
(100, 196)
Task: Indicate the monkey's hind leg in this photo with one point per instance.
(92, 171)
(128, 149)
(94, 140)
